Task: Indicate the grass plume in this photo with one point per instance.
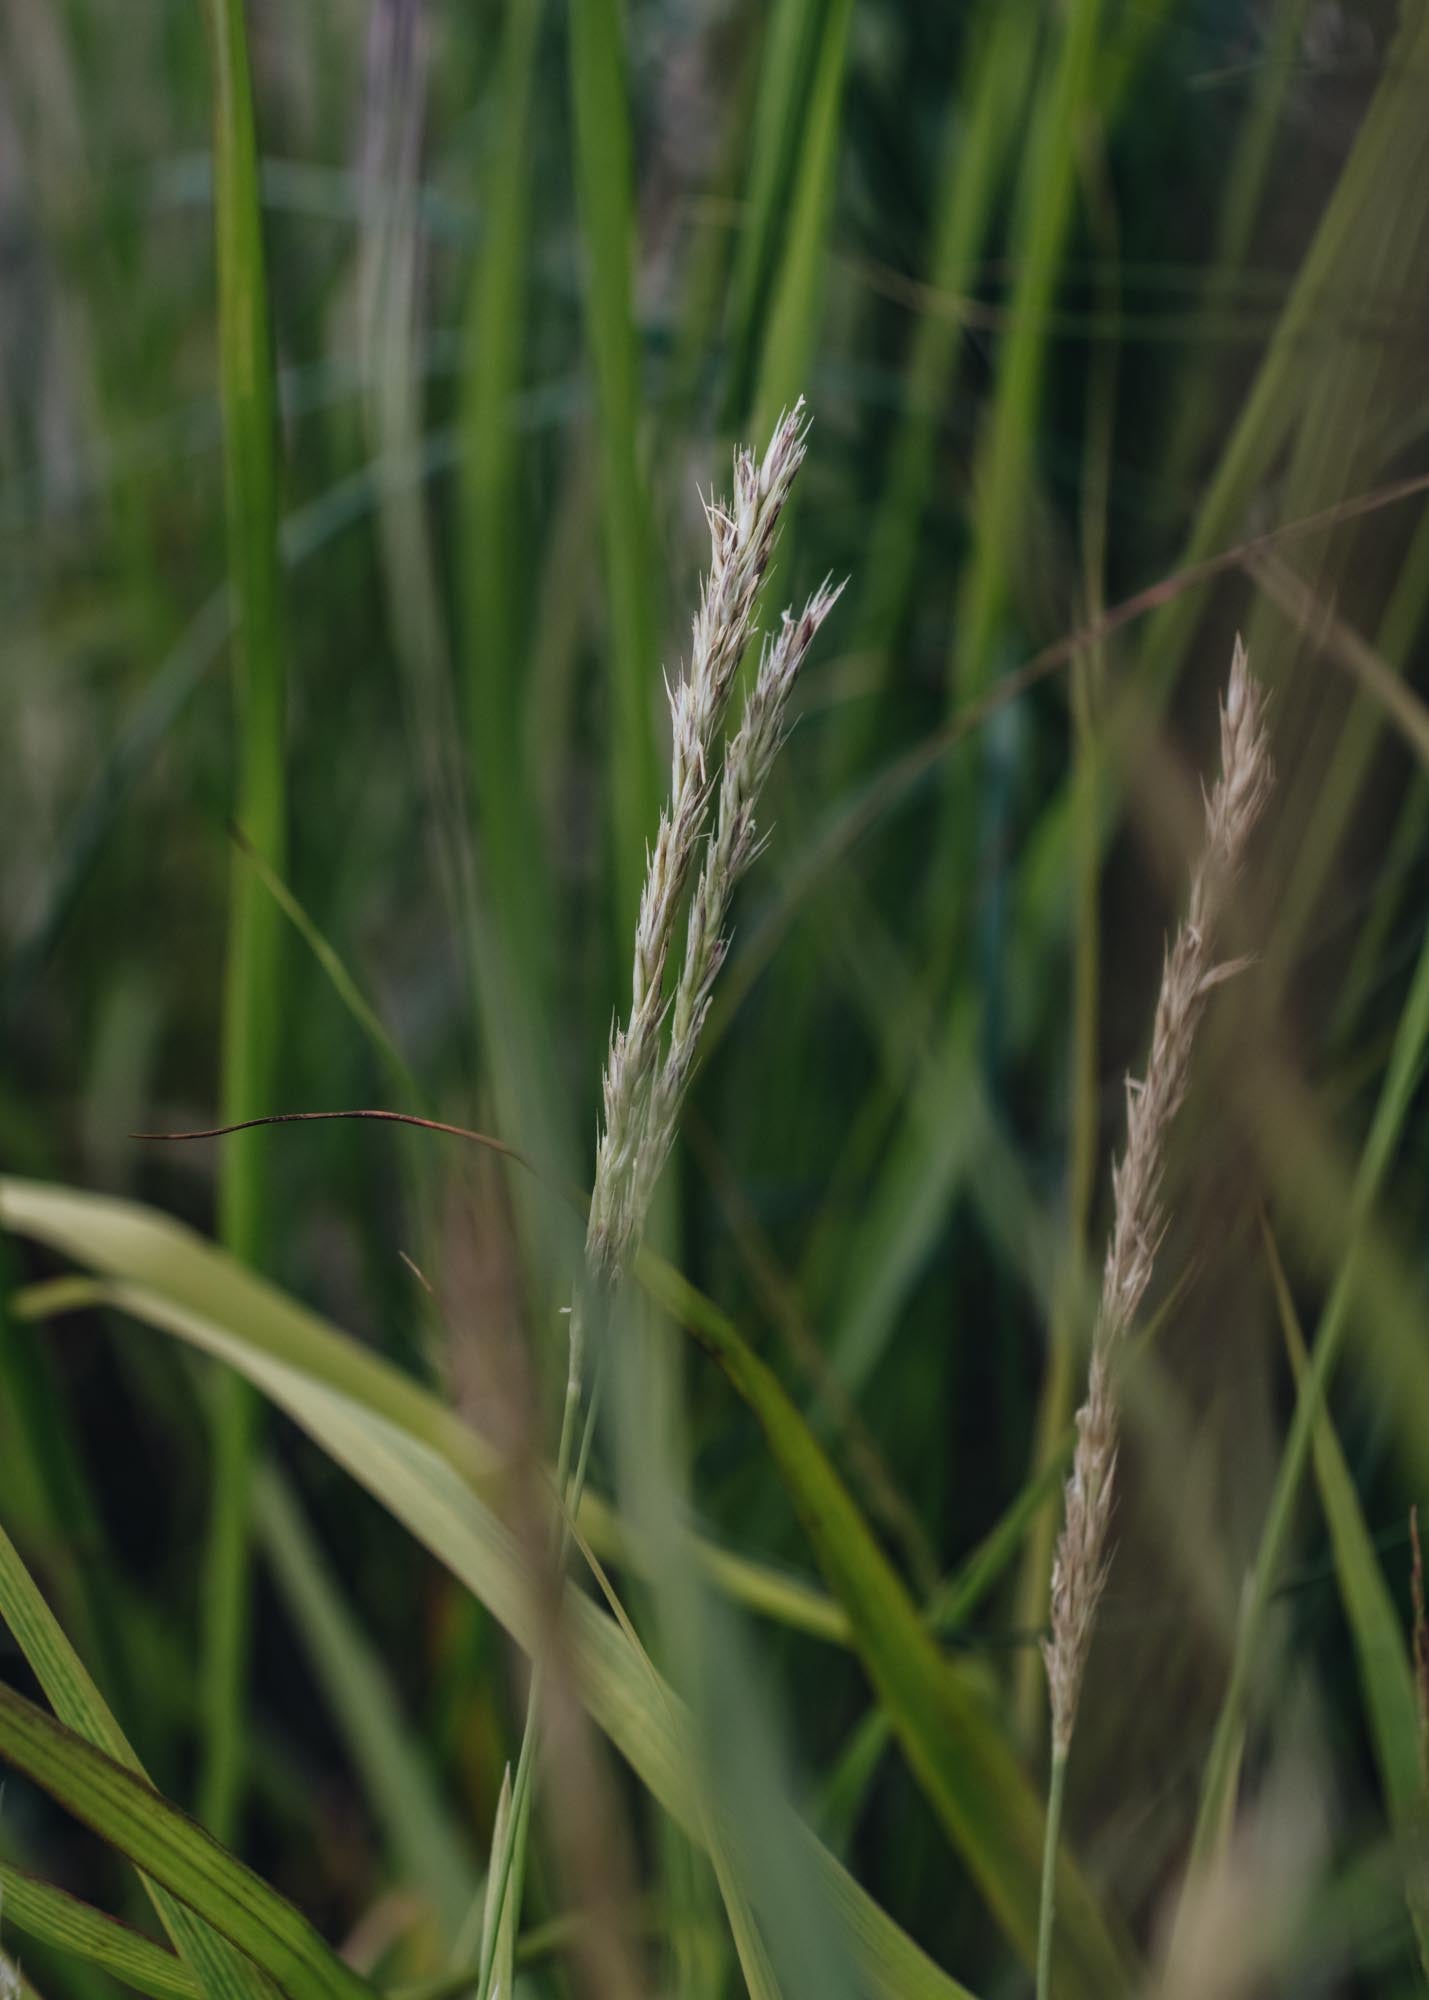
(644, 1081)
(1189, 973)
(652, 1055)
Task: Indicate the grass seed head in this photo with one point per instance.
(1189, 973)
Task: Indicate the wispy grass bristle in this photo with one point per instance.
(647, 1072)
(1189, 973)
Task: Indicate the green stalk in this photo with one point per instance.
(786, 58)
(495, 528)
(509, 1865)
(1006, 454)
(251, 997)
(1005, 482)
(974, 169)
(791, 333)
(1256, 136)
(1046, 1920)
(1405, 1067)
(604, 170)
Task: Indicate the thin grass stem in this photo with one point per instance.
(1046, 1921)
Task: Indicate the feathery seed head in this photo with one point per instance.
(647, 1071)
(1188, 974)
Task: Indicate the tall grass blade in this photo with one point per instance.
(791, 332)
(1386, 1671)
(221, 1971)
(1401, 1079)
(252, 1000)
(603, 167)
(496, 532)
(175, 1852)
(134, 1243)
(51, 1917)
(978, 149)
(787, 55)
(422, 1489)
(953, 1743)
(1046, 207)
(498, 1932)
(430, 1851)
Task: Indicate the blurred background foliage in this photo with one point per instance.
(1082, 296)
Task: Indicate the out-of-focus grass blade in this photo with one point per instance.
(52, 1917)
(1401, 1079)
(1005, 458)
(174, 1851)
(223, 1973)
(1383, 687)
(45, 1496)
(933, 1148)
(498, 1928)
(978, 149)
(410, 1478)
(1384, 178)
(949, 1608)
(430, 1852)
(792, 329)
(252, 999)
(786, 61)
(953, 1743)
(603, 167)
(138, 1244)
(1337, 798)
(494, 526)
(514, 946)
(1386, 1675)
(1244, 188)
(343, 983)
(1375, 1627)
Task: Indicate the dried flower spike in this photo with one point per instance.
(648, 1070)
(1189, 973)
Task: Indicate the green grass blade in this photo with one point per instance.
(786, 61)
(1385, 1669)
(1384, 178)
(46, 1497)
(1343, 788)
(174, 1851)
(503, 1896)
(1241, 203)
(1005, 459)
(646, 1723)
(934, 1147)
(603, 166)
(138, 1244)
(495, 528)
(953, 1742)
(973, 173)
(252, 1001)
(51, 1917)
(343, 983)
(222, 1972)
(428, 1848)
(786, 358)
(1386, 1676)
(949, 1609)
(1401, 1079)
(407, 1473)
